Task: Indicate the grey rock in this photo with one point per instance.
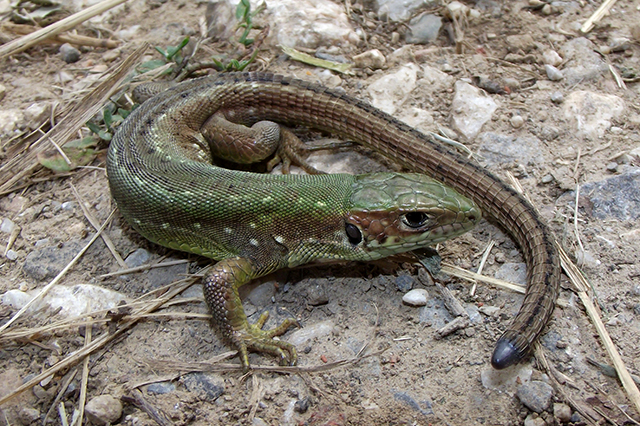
(310, 332)
(207, 386)
(261, 295)
(11, 255)
(582, 62)
(47, 262)
(137, 258)
(532, 420)
(612, 166)
(103, 409)
(69, 53)
(502, 149)
(617, 197)
(424, 29)
(591, 114)
(435, 313)
(535, 395)
(404, 282)
(158, 277)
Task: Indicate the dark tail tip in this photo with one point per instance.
(504, 355)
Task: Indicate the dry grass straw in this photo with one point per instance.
(23, 161)
(25, 42)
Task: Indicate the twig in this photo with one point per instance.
(78, 40)
(145, 267)
(483, 260)
(92, 220)
(597, 16)
(58, 277)
(85, 374)
(136, 398)
(25, 42)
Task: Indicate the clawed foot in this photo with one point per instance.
(254, 338)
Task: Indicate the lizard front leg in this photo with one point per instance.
(221, 286)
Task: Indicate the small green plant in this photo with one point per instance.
(245, 16)
(109, 119)
(171, 55)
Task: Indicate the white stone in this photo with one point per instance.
(10, 121)
(391, 90)
(416, 297)
(551, 57)
(373, 59)
(591, 114)
(418, 118)
(310, 332)
(470, 109)
(310, 23)
(7, 226)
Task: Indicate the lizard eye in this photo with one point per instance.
(354, 234)
(415, 219)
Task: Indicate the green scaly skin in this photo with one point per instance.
(255, 224)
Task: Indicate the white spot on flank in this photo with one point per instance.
(252, 225)
(197, 225)
(228, 230)
(253, 242)
(165, 226)
(279, 239)
(321, 204)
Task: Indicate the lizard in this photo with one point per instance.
(166, 187)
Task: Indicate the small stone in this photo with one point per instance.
(562, 412)
(562, 344)
(553, 73)
(7, 226)
(29, 416)
(551, 57)
(533, 420)
(11, 255)
(302, 405)
(557, 97)
(612, 166)
(404, 282)
(517, 121)
(206, 385)
(103, 409)
(373, 59)
(489, 311)
(548, 178)
(546, 9)
(535, 395)
(36, 113)
(69, 53)
(137, 258)
(423, 29)
(111, 55)
(416, 297)
(161, 388)
(317, 294)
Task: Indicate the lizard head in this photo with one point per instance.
(394, 213)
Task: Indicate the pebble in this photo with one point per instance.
(553, 73)
(416, 297)
(404, 282)
(397, 10)
(390, 90)
(532, 420)
(513, 272)
(612, 166)
(562, 412)
(373, 59)
(584, 63)
(551, 57)
(29, 416)
(317, 293)
(103, 409)
(11, 255)
(548, 178)
(310, 332)
(557, 97)
(516, 121)
(262, 294)
(535, 395)
(7, 226)
(47, 262)
(502, 149)
(69, 53)
(137, 258)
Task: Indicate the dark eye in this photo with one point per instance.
(355, 237)
(415, 219)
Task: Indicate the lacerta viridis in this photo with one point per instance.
(255, 224)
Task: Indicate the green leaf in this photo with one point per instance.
(151, 65)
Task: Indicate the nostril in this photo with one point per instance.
(472, 218)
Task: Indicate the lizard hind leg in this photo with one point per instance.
(221, 294)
